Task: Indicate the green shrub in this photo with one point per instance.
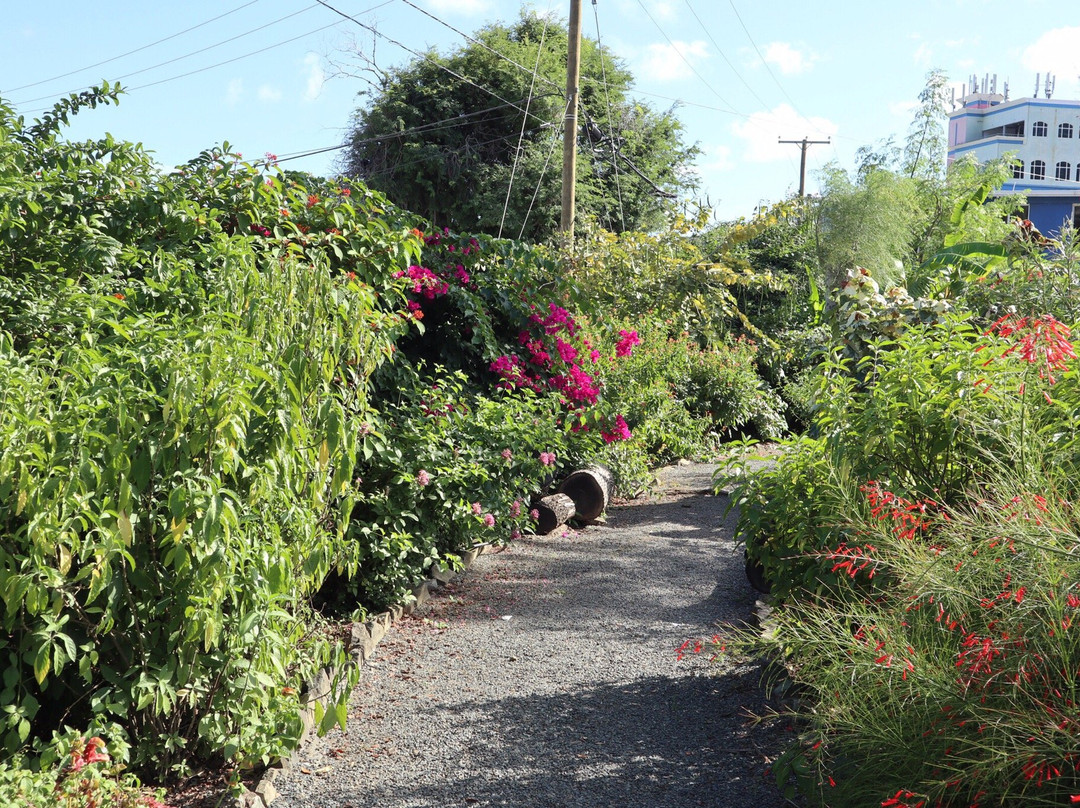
(921, 550)
(78, 777)
(184, 383)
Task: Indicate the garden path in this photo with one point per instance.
(547, 675)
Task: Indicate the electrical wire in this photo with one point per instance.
(543, 173)
(757, 50)
(423, 56)
(681, 56)
(486, 47)
(200, 50)
(724, 55)
(445, 123)
(607, 98)
(524, 120)
(130, 52)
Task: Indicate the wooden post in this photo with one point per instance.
(804, 144)
(569, 166)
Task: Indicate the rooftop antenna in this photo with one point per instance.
(993, 85)
(952, 97)
(1051, 83)
(1006, 89)
(1038, 81)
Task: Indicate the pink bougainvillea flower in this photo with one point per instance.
(567, 352)
(477, 508)
(547, 458)
(534, 515)
(422, 478)
(489, 520)
(507, 455)
(626, 343)
(620, 432)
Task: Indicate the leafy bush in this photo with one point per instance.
(443, 471)
(922, 551)
(78, 778)
(184, 383)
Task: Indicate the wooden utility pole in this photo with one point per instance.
(569, 164)
(804, 144)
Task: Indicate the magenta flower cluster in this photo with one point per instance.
(435, 239)
(620, 431)
(626, 343)
(550, 362)
(425, 282)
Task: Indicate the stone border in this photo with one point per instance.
(360, 646)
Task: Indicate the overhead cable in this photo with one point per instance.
(130, 52)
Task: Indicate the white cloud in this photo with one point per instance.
(664, 9)
(763, 130)
(268, 93)
(1055, 51)
(789, 58)
(664, 62)
(234, 91)
(316, 77)
(715, 157)
(467, 7)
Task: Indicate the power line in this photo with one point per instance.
(425, 57)
(724, 56)
(445, 123)
(607, 98)
(543, 173)
(681, 56)
(130, 52)
(524, 120)
(757, 50)
(227, 61)
(203, 50)
(486, 47)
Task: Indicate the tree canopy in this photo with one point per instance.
(470, 139)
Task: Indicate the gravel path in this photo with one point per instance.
(547, 675)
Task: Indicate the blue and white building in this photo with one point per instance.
(1042, 134)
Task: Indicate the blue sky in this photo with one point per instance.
(281, 76)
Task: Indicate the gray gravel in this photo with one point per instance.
(546, 675)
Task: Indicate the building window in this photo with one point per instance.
(1018, 169)
(1062, 171)
(1038, 170)
(1065, 130)
(1039, 129)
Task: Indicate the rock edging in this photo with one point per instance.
(364, 637)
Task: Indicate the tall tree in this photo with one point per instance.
(926, 146)
(470, 139)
